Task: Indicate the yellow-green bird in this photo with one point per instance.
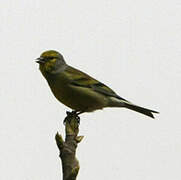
(79, 91)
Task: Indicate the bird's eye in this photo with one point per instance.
(49, 58)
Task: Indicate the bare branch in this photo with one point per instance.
(67, 148)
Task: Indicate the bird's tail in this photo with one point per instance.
(129, 105)
(147, 112)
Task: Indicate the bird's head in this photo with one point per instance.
(50, 61)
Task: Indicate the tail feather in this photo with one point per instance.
(115, 102)
(147, 112)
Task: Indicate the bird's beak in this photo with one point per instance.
(40, 60)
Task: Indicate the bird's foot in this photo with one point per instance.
(70, 115)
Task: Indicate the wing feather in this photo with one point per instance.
(82, 79)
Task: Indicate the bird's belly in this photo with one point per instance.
(79, 98)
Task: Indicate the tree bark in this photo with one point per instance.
(67, 148)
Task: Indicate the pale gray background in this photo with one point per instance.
(132, 46)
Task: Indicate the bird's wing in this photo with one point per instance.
(82, 79)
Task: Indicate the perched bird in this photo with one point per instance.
(79, 91)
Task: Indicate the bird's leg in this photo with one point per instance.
(79, 112)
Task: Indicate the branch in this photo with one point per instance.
(67, 148)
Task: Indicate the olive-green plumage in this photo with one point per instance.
(78, 90)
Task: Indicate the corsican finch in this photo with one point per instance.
(79, 91)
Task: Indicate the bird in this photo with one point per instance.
(79, 91)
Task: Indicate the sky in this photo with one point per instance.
(133, 46)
